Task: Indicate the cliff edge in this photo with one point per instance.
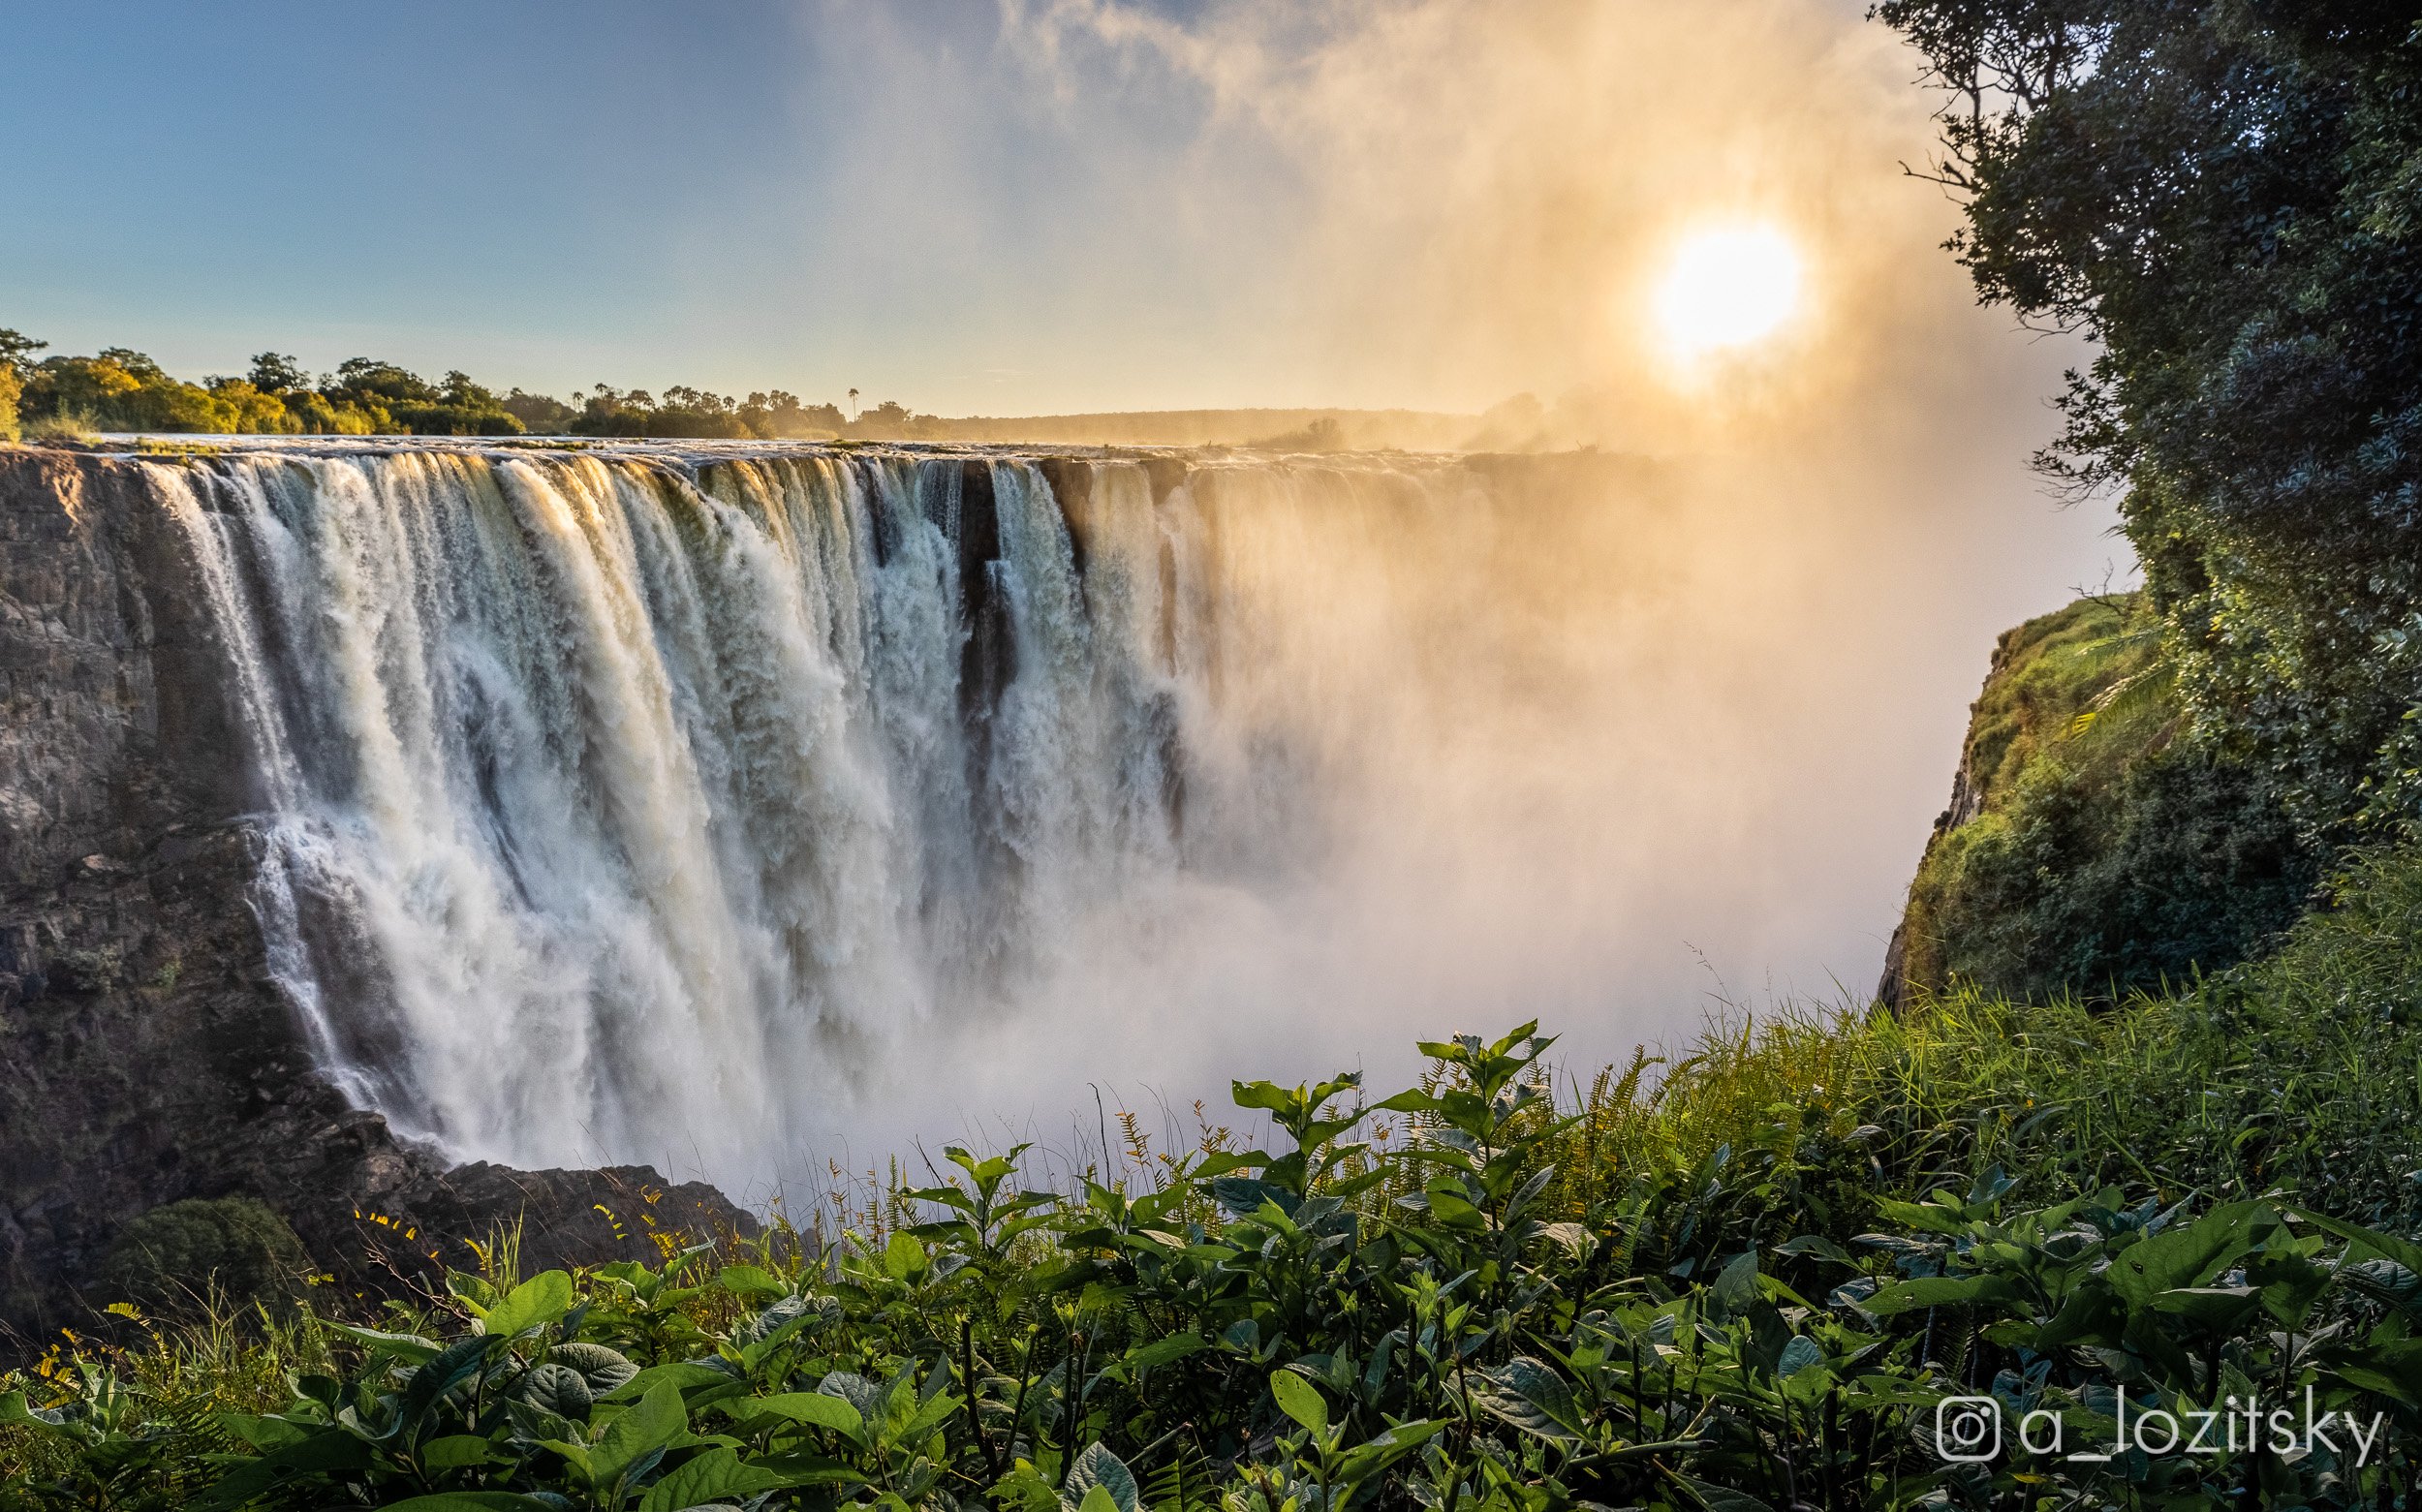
(146, 1054)
(2092, 845)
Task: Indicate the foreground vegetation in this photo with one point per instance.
(1744, 1280)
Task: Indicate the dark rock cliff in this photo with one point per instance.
(145, 1053)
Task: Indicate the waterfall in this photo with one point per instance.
(629, 804)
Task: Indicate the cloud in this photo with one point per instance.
(1488, 189)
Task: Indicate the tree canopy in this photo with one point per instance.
(2225, 198)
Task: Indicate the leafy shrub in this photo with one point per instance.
(174, 1258)
(1401, 1304)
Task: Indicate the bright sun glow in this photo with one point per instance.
(1727, 286)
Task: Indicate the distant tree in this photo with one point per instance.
(143, 369)
(275, 373)
(368, 377)
(542, 413)
(122, 389)
(17, 350)
(455, 407)
(184, 1257)
(781, 415)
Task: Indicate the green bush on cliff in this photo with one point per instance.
(205, 1251)
(2228, 197)
(2095, 844)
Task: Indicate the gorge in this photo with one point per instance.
(717, 811)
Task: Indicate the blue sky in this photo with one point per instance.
(971, 205)
(734, 195)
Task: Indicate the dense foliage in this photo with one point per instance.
(691, 412)
(2088, 848)
(1748, 1285)
(120, 390)
(2227, 198)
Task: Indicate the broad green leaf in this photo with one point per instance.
(1736, 1285)
(2188, 1257)
(2220, 1308)
(903, 1257)
(404, 1346)
(750, 1280)
(683, 1374)
(451, 1367)
(1300, 1399)
(471, 1501)
(935, 1411)
(544, 1298)
(1939, 1291)
(1531, 1396)
(2393, 1370)
(815, 1409)
(714, 1477)
(1098, 1474)
(1718, 1499)
(648, 1425)
(604, 1369)
(1366, 1460)
(454, 1452)
(1800, 1354)
(1817, 1245)
(2386, 1281)
(263, 1433)
(810, 1469)
(558, 1389)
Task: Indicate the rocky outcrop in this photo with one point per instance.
(1968, 800)
(146, 1054)
(2092, 847)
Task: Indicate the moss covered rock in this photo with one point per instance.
(2088, 848)
(174, 1258)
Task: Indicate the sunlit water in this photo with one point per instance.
(733, 807)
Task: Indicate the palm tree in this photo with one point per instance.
(852, 403)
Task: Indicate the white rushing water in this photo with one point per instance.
(632, 806)
(731, 808)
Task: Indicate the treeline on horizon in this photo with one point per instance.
(120, 390)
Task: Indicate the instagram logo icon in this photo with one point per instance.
(1968, 1429)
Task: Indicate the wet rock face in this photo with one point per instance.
(145, 1054)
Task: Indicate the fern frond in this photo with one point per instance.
(2127, 693)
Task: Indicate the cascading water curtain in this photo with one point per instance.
(622, 808)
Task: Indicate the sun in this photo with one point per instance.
(1726, 288)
